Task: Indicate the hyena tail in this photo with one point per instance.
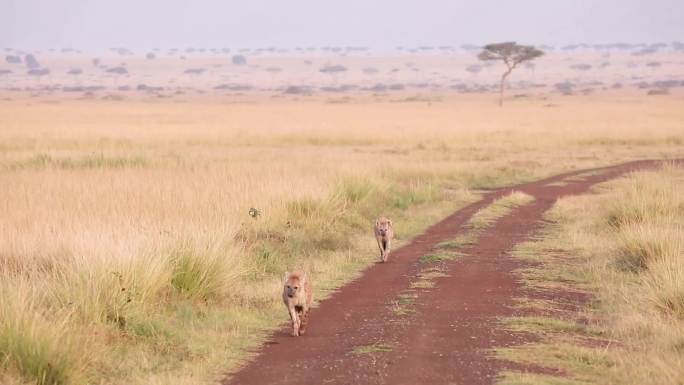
(304, 322)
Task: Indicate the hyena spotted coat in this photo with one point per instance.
(384, 235)
(297, 296)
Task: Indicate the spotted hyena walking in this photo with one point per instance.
(297, 296)
(384, 234)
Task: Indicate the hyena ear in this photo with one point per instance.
(305, 277)
(390, 222)
(287, 276)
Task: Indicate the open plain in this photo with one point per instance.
(128, 253)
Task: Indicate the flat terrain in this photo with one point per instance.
(125, 198)
(355, 336)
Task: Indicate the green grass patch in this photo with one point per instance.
(498, 209)
(543, 325)
(93, 161)
(559, 183)
(440, 256)
(578, 361)
(460, 241)
(403, 305)
(198, 275)
(426, 278)
(526, 378)
(369, 349)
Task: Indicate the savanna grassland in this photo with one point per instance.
(619, 251)
(127, 252)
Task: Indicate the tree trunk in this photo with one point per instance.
(501, 86)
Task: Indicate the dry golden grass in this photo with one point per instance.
(127, 223)
(624, 247)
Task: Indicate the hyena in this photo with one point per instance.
(384, 234)
(297, 296)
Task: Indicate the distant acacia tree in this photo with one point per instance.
(512, 54)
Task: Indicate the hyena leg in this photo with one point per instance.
(382, 249)
(295, 322)
(304, 321)
(388, 248)
(385, 249)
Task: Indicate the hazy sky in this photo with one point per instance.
(91, 24)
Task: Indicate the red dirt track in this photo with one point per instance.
(445, 340)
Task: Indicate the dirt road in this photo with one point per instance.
(357, 336)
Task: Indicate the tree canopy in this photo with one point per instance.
(511, 53)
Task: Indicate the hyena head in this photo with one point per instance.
(383, 225)
(294, 284)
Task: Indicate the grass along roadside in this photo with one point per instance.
(448, 250)
(374, 348)
(623, 249)
(433, 264)
(182, 313)
(480, 221)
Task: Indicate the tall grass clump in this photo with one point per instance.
(108, 292)
(414, 193)
(40, 348)
(646, 219)
(202, 273)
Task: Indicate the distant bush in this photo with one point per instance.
(333, 69)
(145, 87)
(13, 59)
(117, 70)
(565, 88)
(380, 87)
(31, 61)
(581, 67)
(38, 72)
(474, 68)
(234, 87)
(239, 60)
(645, 51)
(298, 90)
(340, 89)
